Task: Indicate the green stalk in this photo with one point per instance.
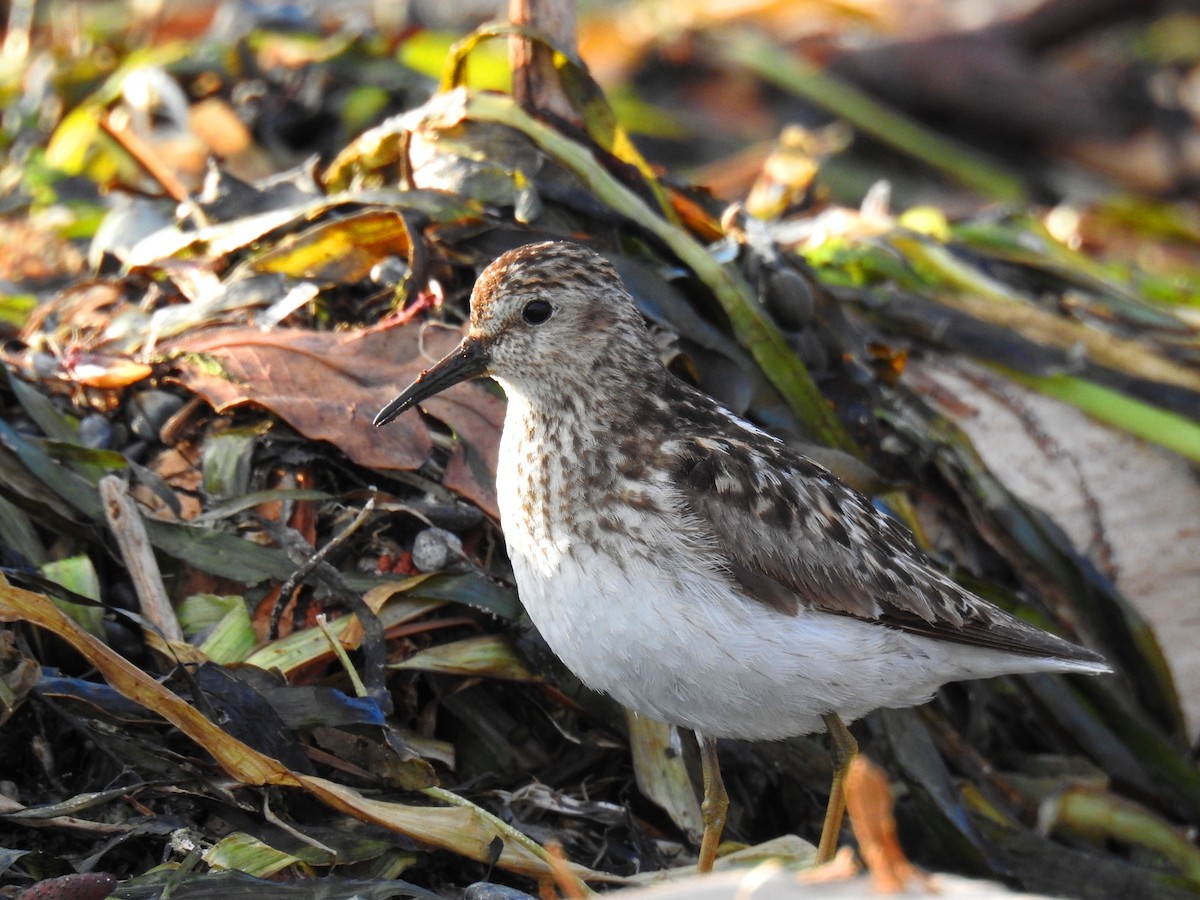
(750, 327)
(794, 74)
(989, 300)
(1100, 816)
(1150, 423)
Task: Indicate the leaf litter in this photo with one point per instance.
(225, 356)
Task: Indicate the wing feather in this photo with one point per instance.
(794, 536)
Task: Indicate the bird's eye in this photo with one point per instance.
(536, 312)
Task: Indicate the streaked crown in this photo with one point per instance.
(556, 311)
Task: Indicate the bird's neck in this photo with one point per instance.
(559, 448)
(581, 411)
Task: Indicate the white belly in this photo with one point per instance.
(707, 659)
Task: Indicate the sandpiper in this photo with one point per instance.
(685, 562)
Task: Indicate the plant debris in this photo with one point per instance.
(252, 644)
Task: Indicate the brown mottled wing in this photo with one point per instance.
(795, 536)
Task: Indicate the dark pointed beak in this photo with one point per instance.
(466, 361)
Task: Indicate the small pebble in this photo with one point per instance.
(789, 298)
(435, 550)
(96, 432)
(124, 639)
(148, 411)
(482, 890)
(389, 271)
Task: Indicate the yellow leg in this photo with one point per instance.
(715, 805)
(845, 748)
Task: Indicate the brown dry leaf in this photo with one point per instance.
(222, 131)
(471, 469)
(329, 386)
(100, 371)
(179, 467)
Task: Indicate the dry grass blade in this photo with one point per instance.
(464, 829)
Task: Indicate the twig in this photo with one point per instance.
(285, 591)
(568, 882)
(536, 82)
(130, 531)
(343, 657)
(374, 642)
(143, 154)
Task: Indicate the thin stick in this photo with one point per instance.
(536, 81)
(127, 527)
(285, 591)
(143, 154)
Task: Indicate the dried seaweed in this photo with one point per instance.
(384, 711)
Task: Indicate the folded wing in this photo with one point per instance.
(818, 543)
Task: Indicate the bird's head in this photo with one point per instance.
(544, 317)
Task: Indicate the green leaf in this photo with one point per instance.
(302, 647)
(15, 308)
(1150, 423)
(231, 638)
(71, 144)
(18, 534)
(244, 853)
(76, 573)
(225, 462)
(53, 423)
(791, 72)
(488, 655)
(339, 252)
(427, 53)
